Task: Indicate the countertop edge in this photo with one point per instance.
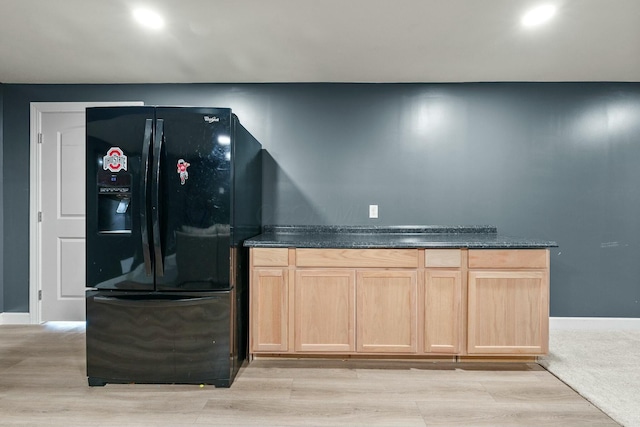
(394, 237)
(542, 245)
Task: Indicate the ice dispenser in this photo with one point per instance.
(114, 196)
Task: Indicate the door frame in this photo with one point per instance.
(35, 197)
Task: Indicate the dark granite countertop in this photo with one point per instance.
(358, 237)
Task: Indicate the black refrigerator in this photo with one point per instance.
(171, 194)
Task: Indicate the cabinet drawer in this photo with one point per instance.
(443, 258)
(356, 258)
(270, 257)
(509, 258)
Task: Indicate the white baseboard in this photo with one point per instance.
(15, 319)
(595, 323)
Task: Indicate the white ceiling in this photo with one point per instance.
(96, 41)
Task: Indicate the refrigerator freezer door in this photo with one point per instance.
(115, 197)
(194, 198)
(159, 338)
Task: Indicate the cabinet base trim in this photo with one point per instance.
(397, 358)
(400, 358)
(498, 359)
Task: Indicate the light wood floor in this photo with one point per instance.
(43, 383)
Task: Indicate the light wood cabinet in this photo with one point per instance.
(442, 301)
(270, 257)
(387, 311)
(269, 310)
(508, 305)
(509, 258)
(420, 302)
(324, 307)
(357, 258)
(442, 311)
(269, 300)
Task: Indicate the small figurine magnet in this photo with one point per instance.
(182, 170)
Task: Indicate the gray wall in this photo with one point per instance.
(555, 161)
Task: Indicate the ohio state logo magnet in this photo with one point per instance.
(182, 171)
(115, 160)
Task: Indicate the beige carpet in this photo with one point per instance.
(603, 366)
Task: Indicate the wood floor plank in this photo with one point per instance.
(552, 393)
(522, 415)
(311, 413)
(276, 389)
(257, 372)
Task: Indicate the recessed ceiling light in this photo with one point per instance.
(149, 18)
(538, 15)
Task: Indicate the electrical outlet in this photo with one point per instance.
(373, 211)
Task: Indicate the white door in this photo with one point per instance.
(63, 216)
(58, 211)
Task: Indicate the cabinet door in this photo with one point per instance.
(324, 310)
(442, 313)
(386, 311)
(508, 312)
(269, 310)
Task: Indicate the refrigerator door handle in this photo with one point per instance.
(144, 183)
(153, 302)
(155, 198)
